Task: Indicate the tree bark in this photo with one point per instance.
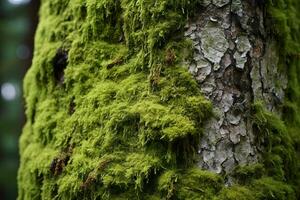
(237, 64)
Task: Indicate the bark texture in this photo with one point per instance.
(236, 64)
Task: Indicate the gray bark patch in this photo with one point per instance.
(234, 66)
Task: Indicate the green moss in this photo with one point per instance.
(121, 116)
(245, 174)
(189, 184)
(236, 193)
(262, 189)
(267, 188)
(286, 141)
(279, 154)
(124, 103)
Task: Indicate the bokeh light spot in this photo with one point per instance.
(8, 91)
(18, 2)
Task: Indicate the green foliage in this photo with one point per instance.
(112, 112)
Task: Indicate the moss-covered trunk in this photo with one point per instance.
(142, 99)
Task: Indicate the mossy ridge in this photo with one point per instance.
(124, 67)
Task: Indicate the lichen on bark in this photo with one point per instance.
(114, 113)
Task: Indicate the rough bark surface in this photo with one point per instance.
(236, 64)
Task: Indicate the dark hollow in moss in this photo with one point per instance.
(60, 62)
(72, 106)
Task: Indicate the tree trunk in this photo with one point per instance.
(163, 100)
(236, 63)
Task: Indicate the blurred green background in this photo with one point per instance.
(18, 19)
